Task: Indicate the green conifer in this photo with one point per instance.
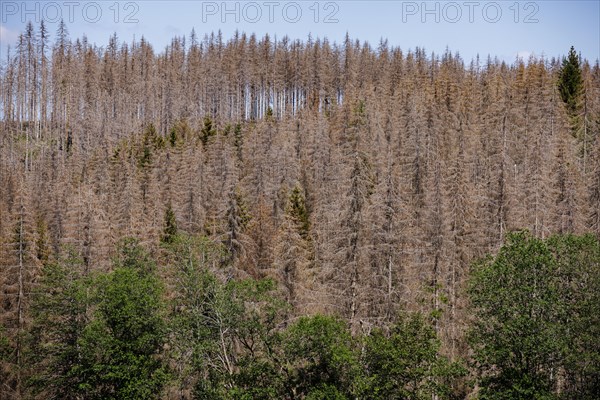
(170, 229)
(570, 84)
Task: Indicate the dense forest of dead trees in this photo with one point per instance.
(363, 179)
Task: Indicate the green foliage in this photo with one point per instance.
(238, 218)
(5, 348)
(245, 216)
(222, 332)
(151, 142)
(69, 145)
(320, 358)
(179, 133)
(578, 260)
(297, 211)
(536, 332)
(207, 131)
(254, 313)
(269, 114)
(238, 214)
(359, 114)
(238, 140)
(59, 310)
(325, 392)
(570, 84)
(189, 259)
(173, 137)
(42, 245)
(515, 338)
(405, 362)
(122, 345)
(170, 226)
(111, 337)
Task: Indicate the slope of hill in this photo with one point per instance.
(364, 180)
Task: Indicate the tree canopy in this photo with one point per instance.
(570, 83)
(531, 335)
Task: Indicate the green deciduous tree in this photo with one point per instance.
(320, 358)
(578, 260)
(405, 363)
(59, 310)
(535, 333)
(122, 345)
(223, 331)
(515, 335)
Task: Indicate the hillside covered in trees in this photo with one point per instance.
(296, 189)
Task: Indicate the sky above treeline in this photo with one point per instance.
(503, 29)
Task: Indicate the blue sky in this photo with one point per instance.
(504, 29)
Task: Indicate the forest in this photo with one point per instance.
(260, 218)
